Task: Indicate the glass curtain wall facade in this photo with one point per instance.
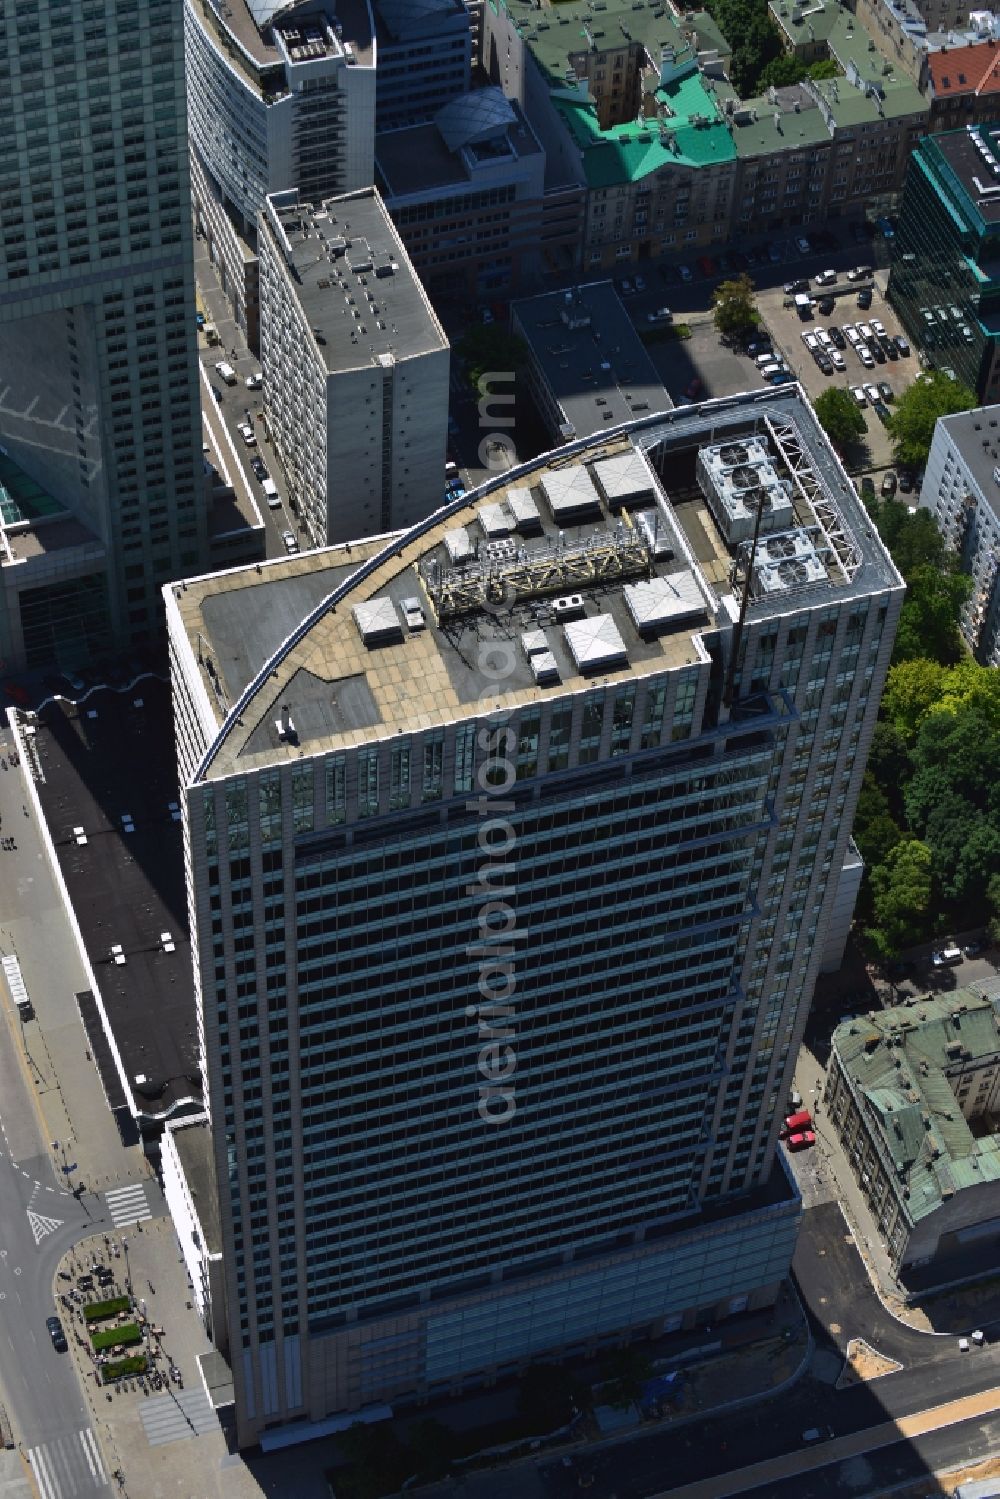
(944, 276)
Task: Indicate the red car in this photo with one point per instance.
(706, 265)
(795, 1122)
(802, 1141)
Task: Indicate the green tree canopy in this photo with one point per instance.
(839, 416)
(782, 71)
(875, 830)
(490, 349)
(928, 623)
(734, 307)
(901, 894)
(823, 67)
(911, 422)
(547, 1396)
(626, 1370)
(912, 689)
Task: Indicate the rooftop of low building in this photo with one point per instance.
(482, 128)
(905, 1063)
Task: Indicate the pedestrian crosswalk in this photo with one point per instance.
(68, 1466)
(169, 1418)
(127, 1205)
(40, 1225)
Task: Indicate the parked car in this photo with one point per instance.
(707, 265)
(291, 545)
(55, 1331)
(685, 272)
(901, 344)
(254, 382)
(792, 287)
(226, 372)
(661, 315)
(759, 346)
(974, 948)
(639, 283)
(864, 354)
(859, 273)
(801, 1141)
(878, 326)
(889, 485)
(774, 253)
(865, 298)
(811, 342)
(888, 348)
(826, 305)
(878, 353)
(905, 483)
(837, 360)
(258, 467)
(825, 278)
(857, 391)
(947, 956)
(803, 246)
(837, 338)
(885, 391)
(247, 434)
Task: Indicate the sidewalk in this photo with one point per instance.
(179, 1448)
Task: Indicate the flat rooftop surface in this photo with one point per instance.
(249, 23)
(194, 1147)
(605, 575)
(416, 159)
(976, 434)
(355, 283)
(591, 357)
(969, 167)
(102, 760)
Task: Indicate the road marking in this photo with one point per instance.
(128, 1205)
(40, 1226)
(57, 1467)
(853, 1444)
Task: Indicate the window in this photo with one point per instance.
(336, 789)
(368, 783)
(433, 774)
(399, 777)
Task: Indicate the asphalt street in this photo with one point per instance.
(53, 1119)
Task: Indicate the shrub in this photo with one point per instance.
(134, 1364)
(97, 1311)
(111, 1337)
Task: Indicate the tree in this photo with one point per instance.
(911, 422)
(433, 1446)
(547, 1396)
(823, 67)
(912, 689)
(781, 72)
(626, 1370)
(379, 1463)
(928, 622)
(901, 894)
(875, 830)
(839, 416)
(734, 309)
(912, 539)
(490, 349)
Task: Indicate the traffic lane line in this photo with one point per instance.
(854, 1444)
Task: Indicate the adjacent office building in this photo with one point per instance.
(512, 841)
(99, 423)
(424, 52)
(914, 1093)
(355, 365)
(961, 488)
(281, 95)
(943, 279)
(466, 192)
(587, 368)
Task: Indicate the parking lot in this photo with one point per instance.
(787, 330)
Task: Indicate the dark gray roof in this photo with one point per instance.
(194, 1147)
(342, 252)
(127, 887)
(591, 357)
(976, 435)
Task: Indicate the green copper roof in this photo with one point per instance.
(626, 153)
(899, 1060)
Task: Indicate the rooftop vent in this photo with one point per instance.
(595, 644)
(378, 622)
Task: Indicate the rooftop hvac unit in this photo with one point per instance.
(570, 606)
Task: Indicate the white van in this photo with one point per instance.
(226, 372)
(271, 494)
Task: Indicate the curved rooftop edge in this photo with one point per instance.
(848, 537)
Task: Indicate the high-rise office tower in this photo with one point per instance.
(100, 405)
(512, 844)
(280, 96)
